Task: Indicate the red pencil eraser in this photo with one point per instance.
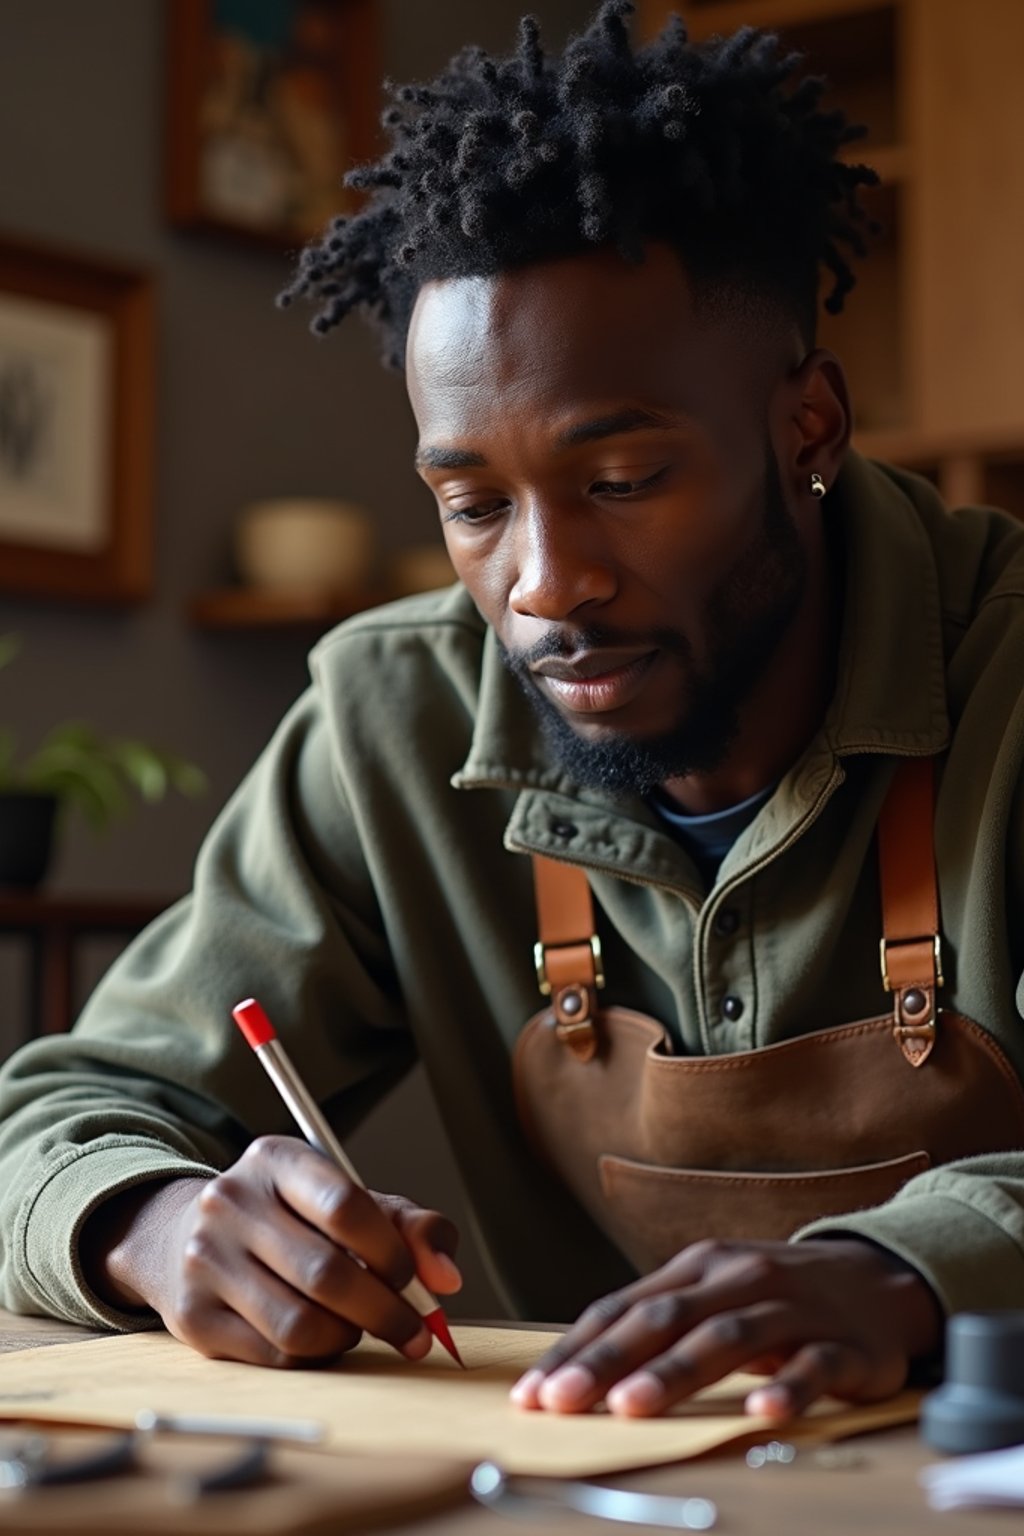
(253, 1022)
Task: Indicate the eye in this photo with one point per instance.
(474, 514)
(619, 489)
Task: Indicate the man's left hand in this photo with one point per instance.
(837, 1316)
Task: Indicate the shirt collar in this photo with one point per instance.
(890, 692)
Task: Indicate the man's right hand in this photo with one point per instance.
(257, 1263)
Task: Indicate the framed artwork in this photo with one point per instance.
(269, 103)
(76, 426)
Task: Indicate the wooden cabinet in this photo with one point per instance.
(933, 334)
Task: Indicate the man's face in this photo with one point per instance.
(610, 498)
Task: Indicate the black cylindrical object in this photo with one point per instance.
(26, 837)
(980, 1405)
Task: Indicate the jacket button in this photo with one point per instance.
(732, 1006)
(563, 829)
(726, 922)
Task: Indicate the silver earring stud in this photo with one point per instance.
(818, 486)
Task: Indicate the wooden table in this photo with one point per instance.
(878, 1497)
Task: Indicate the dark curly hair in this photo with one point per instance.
(503, 162)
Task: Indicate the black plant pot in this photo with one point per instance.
(26, 837)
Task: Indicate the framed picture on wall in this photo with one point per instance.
(269, 102)
(76, 426)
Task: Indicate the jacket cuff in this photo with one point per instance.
(967, 1255)
(48, 1271)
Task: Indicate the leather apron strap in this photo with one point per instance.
(911, 948)
(568, 952)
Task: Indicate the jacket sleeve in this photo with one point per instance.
(155, 1080)
(961, 1225)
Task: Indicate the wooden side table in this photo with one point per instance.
(53, 926)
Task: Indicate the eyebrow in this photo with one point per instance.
(633, 420)
(615, 424)
(447, 458)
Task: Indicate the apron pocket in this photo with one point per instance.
(652, 1212)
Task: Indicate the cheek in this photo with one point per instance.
(694, 544)
(483, 568)
(679, 546)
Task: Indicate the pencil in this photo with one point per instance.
(259, 1032)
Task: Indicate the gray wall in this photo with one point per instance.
(250, 406)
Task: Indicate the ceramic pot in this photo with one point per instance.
(304, 545)
(26, 837)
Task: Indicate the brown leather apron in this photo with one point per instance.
(664, 1150)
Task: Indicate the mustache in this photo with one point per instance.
(567, 643)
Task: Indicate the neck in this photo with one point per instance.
(785, 710)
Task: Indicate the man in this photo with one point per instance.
(696, 645)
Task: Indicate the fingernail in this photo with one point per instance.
(524, 1393)
(448, 1269)
(771, 1401)
(642, 1393)
(568, 1386)
(418, 1345)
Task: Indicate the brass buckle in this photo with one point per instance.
(940, 980)
(542, 970)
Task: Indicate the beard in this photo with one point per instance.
(745, 619)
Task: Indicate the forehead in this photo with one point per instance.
(543, 337)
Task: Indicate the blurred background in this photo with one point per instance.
(160, 163)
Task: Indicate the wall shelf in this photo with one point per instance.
(933, 335)
(891, 161)
(229, 608)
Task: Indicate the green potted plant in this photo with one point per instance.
(74, 767)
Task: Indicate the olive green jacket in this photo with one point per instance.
(368, 882)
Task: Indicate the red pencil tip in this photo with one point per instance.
(438, 1325)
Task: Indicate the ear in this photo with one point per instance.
(812, 421)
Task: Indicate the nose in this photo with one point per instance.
(562, 564)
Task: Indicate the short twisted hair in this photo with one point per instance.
(500, 163)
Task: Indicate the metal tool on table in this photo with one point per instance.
(27, 1460)
(980, 1404)
(529, 1496)
(304, 1431)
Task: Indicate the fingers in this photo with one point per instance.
(815, 1371)
(278, 1240)
(283, 1258)
(431, 1239)
(221, 1334)
(307, 1299)
(289, 1329)
(637, 1381)
(826, 1309)
(717, 1346)
(619, 1333)
(319, 1272)
(327, 1199)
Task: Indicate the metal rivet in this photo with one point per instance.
(570, 1003)
(779, 1452)
(914, 1001)
(732, 1006)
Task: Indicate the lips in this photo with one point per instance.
(595, 681)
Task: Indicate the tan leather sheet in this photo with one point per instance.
(374, 1401)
